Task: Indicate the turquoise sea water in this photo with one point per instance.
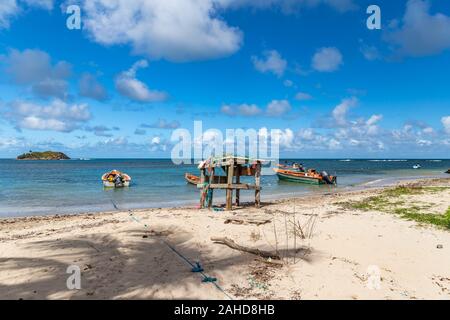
(74, 186)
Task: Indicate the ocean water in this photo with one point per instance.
(74, 186)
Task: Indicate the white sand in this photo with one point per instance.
(121, 258)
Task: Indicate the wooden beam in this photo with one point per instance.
(258, 185)
(230, 175)
(202, 181)
(242, 186)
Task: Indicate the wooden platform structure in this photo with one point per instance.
(233, 167)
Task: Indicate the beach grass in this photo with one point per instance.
(393, 201)
(440, 220)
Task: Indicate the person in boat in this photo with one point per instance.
(118, 180)
(299, 167)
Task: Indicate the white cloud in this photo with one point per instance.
(134, 89)
(34, 68)
(423, 142)
(36, 123)
(8, 9)
(270, 62)
(339, 113)
(11, 8)
(334, 144)
(306, 134)
(428, 130)
(327, 59)
(370, 53)
(7, 143)
(285, 138)
(372, 128)
(159, 143)
(374, 119)
(91, 88)
(176, 30)
(347, 133)
(156, 140)
(162, 124)
(246, 110)
(55, 116)
(303, 96)
(277, 108)
(421, 33)
(356, 137)
(117, 141)
(51, 88)
(414, 134)
(446, 123)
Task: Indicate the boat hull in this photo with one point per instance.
(192, 179)
(108, 184)
(306, 180)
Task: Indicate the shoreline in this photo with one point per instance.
(125, 256)
(185, 204)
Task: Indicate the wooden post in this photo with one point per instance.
(230, 173)
(238, 180)
(211, 180)
(202, 181)
(258, 185)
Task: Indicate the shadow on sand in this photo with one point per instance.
(139, 266)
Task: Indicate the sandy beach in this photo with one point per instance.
(331, 246)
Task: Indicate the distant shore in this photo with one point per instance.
(401, 233)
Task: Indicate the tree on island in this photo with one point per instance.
(46, 155)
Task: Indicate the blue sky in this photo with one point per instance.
(138, 70)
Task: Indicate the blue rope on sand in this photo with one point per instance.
(196, 268)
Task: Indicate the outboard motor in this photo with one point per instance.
(326, 177)
(118, 181)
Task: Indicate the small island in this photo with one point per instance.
(46, 155)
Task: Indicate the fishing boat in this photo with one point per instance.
(192, 179)
(116, 179)
(297, 174)
(195, 180)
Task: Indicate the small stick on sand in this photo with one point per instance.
(230, 243)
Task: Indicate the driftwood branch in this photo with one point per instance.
(256, 221)
(230, 243)
(271, 262)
